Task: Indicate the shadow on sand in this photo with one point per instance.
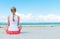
(24, 32)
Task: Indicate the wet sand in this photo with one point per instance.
(33, 33)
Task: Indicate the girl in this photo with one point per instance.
(13, 21)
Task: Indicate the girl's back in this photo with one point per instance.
(13, 24)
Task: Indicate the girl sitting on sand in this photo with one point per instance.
(13, 21)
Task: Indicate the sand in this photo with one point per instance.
(33, 33)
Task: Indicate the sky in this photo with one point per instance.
(31, 10)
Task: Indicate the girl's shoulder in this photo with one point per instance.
(8, 17)
(18, 16)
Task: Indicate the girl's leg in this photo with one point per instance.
(6, 27)
(20, 27)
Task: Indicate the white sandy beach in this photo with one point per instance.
(33, 33)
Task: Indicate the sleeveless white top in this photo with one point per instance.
(13, 24)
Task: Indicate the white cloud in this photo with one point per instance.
(40, 18)
(35, 18)
(50, 17)
(3, 19)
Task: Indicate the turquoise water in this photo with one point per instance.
(35, 24)
(39, 23)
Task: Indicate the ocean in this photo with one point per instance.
(35, 24)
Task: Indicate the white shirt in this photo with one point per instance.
(13, 24)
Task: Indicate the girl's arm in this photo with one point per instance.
(18, 20)
(18, 23)
(8, 21)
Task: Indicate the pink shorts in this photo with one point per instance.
(13, 32)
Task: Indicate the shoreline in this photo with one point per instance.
(34, 26)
